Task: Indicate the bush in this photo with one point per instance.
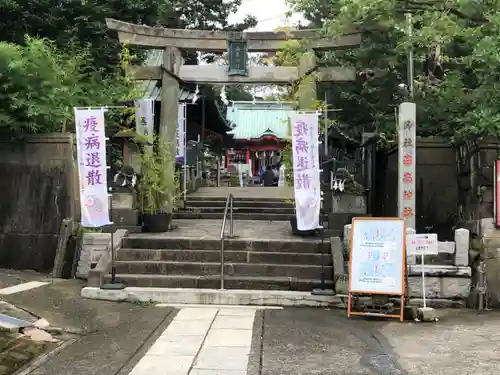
(40, 85)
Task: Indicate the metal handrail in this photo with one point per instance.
(229, 207)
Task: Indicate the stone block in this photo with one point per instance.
(492, 270)
(440, 287)
(96, 239)
(213, 296)
(347, 203)
(491, 239)
(338, 256)
(485, 225)
(125, 217)
(342, 285)
(446, 247)
(347, 237)
(123, 201)
(439, 271)
(411, 259)
(462, 237)
(426, 314)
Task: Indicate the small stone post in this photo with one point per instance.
(462, 237)
(347, 237)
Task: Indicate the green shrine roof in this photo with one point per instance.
(252, 120)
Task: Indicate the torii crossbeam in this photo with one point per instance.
(173, 71)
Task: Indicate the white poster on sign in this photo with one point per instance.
(92, 168)
(180, 153)
(377, 257)
(144, 119)
(306, 170)
(422, 244)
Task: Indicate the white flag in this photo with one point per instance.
(181, 134)
(306, 170)
(144, 119)
(92, 168)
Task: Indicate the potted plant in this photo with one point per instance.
(158, 187)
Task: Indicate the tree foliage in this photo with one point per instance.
(40, 85)
(82, 22)
(456, 47)
(57, 54)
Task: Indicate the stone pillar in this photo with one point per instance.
(462, 237)
(307, 86)
(337, 251)
(411, 259)
(490, 252)
(170, 92)
(347, 238)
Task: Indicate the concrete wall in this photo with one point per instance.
(37, 187)
(437, 188)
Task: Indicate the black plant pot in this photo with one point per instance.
(156, 223)
(297, 232)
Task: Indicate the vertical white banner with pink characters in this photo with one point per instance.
(92, 168)
(306, 170)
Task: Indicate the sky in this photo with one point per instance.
(269, 13)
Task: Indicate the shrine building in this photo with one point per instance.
(259, 129)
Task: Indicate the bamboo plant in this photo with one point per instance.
(159, 189)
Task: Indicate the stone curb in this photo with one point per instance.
(213, 297)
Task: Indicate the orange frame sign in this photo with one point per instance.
(377, 261)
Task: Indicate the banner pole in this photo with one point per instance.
(185, 151)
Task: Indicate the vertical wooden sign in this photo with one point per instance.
(407, 163)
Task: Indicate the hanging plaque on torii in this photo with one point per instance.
(237, 52)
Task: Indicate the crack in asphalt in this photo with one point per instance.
(382, 359)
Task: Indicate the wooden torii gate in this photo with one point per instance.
(238, 44)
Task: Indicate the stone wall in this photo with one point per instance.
(448, 275)
(436, 185)
(488, 249)
(38, 187)
(476, 162)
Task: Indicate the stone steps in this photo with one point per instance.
(236, 216)
(168, 261)
(254, 257)
(243, 209)
(299, 245)
(197, 198)
(213, 282)
(230, 269)
(239, 203)
(246, 210)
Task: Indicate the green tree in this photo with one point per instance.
(40, 85)
(456, 47)
(82, 22)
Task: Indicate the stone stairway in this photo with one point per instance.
(243, 208)
(176, 262)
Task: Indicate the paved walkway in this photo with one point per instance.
(135, 339)
(243, 229)
(202, 341)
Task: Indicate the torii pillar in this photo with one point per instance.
(170, 91)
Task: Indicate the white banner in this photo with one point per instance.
(92, 168)
(144, 119)
(306, 170)
(181, 134)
